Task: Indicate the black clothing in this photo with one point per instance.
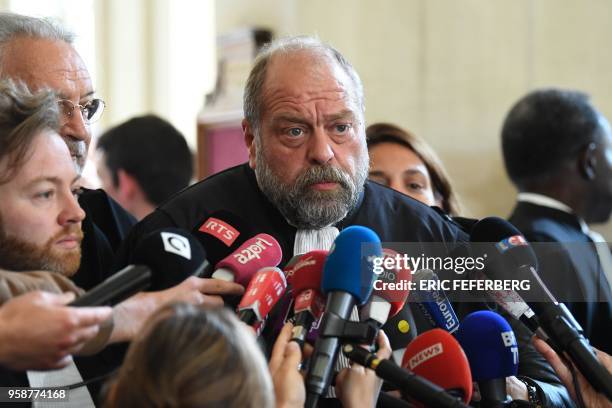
(571, 270)
(393, 216)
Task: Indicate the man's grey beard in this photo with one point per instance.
(304, 207)
(78, 152)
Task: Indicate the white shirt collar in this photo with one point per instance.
(545, 201)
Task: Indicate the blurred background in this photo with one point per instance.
(446, 70)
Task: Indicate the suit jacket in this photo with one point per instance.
(393, 216)
(571, 270)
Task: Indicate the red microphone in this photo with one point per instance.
(263, 292)
(258, 252)
(437, 356)
(304, 276)
(391, 289)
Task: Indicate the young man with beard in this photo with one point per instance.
(307, 170)
(41, 54)
(40, 229)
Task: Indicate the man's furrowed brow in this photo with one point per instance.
(287, 117)
(345, 114)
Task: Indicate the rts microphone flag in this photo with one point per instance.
(221, 233)
(438, 357)
(255, 253)
(491, 348)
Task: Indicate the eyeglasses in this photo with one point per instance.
(91, 111)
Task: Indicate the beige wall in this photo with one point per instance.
(450, 70)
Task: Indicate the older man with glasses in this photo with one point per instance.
(41, 55)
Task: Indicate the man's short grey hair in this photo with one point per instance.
(16, 25)
(254, 86)
(23, 115)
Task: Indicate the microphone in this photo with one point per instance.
(515, 306)
(391, 289)
(255, 253)
(116, 288)
(221, 233)
(163, 259)
(436, 356)
(511, 257)
(263, 292)
(419, 388)
(304, 276)
(347, 281)
(433, 301)
(491, 349)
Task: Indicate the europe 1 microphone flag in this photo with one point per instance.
(433, 303)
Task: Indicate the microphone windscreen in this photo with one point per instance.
(490, 345)
(263, 292)
(258, 252)
(172, 254)
(349, 265)
(306, 273)
(507, 239)
(397, 298)
(438, 357)
(221, 233)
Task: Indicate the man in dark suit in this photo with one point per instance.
(307, 170)
(558, 153)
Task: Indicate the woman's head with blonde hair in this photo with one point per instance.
(190, 356)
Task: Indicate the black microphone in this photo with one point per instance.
(163, 259)
(511, 257)
(419, 388)
(122, 285)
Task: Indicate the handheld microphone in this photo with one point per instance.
(347, 281)
(118, 287)
(263, 292)
(433, 301)
(163, 259)
(436, 356)
(419, 388)
(515, 306)
(511, 257)
(391, 289)
(221, 233)
(304, 276)
(491, 349)
(255, 253)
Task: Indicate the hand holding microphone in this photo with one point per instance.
(356, 385)
(286, 357)
(591, 398)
